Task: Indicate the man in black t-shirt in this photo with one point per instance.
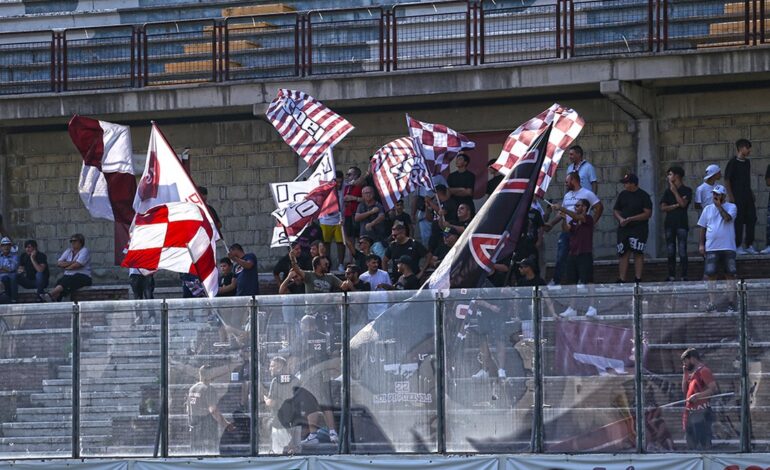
(283, 266)
(738, 183)
(462, 182)
(766, 251)
(402, 245)
(227, 281)
(447, 210)
(674, 203)
(33, 268)
(632, 210)
(407, 280)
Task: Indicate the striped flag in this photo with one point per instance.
(567, 124)
(176, 236)
(398, 170)
(437, 143)
(107, 183)
(303, 122)
(321, 201)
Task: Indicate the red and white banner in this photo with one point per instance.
(303, 122)
(107, 183)
(165, 180)
(321, 201)
(436, 143)
(176, 236)
(567, 124)
(587, 348)
(398, 170)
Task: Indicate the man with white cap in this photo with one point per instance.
(703, 195)
(717, 241)
(9, 263)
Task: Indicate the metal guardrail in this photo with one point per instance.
(360, 40)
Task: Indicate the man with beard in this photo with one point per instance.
(697, 385)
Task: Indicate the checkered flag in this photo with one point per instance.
(567, 125)
(398, 170)
(437, 143)
(303, 122)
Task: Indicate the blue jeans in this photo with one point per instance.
(676, 240)
(9, 281)
(425, 228)
(39, 284)
(562, 250)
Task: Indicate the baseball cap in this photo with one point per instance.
(6, 241)
(406, 259)
(711, 170)
(630, 178)
(529, 262)
(719, 189)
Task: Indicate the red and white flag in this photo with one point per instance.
(437, 143)
(567, 124)
(107, 183)
(309, 127)
(398, 170)
(165, 180)
(317, 203)
(177, 236)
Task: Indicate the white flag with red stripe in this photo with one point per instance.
(398, 170)
(317, 203)
(165, 180)
(303, 122)
(437, 143)
(107, 183)
(567, 124)
(176, 236)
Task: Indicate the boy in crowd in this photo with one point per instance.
(674, 203)
(738, 185)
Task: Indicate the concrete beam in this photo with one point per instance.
(638, 102)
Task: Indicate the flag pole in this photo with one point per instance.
(679, 402)
(192, 262)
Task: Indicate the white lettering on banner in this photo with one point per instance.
(305, 122)
(402, 398)
(283, 195)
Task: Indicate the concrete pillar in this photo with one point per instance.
(4, 182)
(639, 104)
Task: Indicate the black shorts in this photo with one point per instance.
(73, 282)
(634, 241)
(580, 268)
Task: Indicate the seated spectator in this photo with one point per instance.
(228, 283)
(9, 263)
(33, 269)
(246, 273)
(76, 262)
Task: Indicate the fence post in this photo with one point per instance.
(441, 373)
(254, 375)
(345, 418)
(745, 382)
(75, 380)
(164, 389)
(638, 350)
(394, 41)
(536, 443)
(482, 32)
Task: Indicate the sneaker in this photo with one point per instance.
(591, 312)
(751, 250)
(311, 438)
(501, 373)
(741, 251)
(341, 268)
(47, 297)
(481, 374)
(333, 437)
(731, 308)
(711, 308)
(570, 312)
(766, 251)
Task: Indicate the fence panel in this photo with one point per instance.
(611, 27)
(519, 33)
(180, 52)
(99, 58)
(758, 326)
(27, 63)
(346, 41)
(697, 24)
(431, 35)
(265, 46)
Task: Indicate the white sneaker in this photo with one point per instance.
(740, 251)
(751, 250)
(766, 251)
(501, 373)
(591, 312)
(481, 374)
(570, 312)
(311, 438)
(333, 436)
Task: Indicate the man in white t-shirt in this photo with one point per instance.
(379, 281)
(702, 196)
(574, 194)
(717, 242)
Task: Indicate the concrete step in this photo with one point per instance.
(64, 413)
(63, 399)
(55, 428)
(46, 445)
(90, 385)
(126, 371)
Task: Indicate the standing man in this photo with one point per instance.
(632, 210)
(717, 242)
(674, 203)
(351, 196)
(738, 183)
(402, 245)
(698, 385)
(580, 259)
(574, 194)
(702, 197)
(204, 417)
(331, 228)
(371, 218)
(585, 170)
(246, 273)
(462, 182)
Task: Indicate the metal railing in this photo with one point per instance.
(392, 372)
(359, 40)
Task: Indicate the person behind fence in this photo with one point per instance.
(33, 270)
(9, 264)
(717, 242)
(280, 390)
(76, 262)
(698, 385)
(674, 203)
(203, 415)
(142, 286)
